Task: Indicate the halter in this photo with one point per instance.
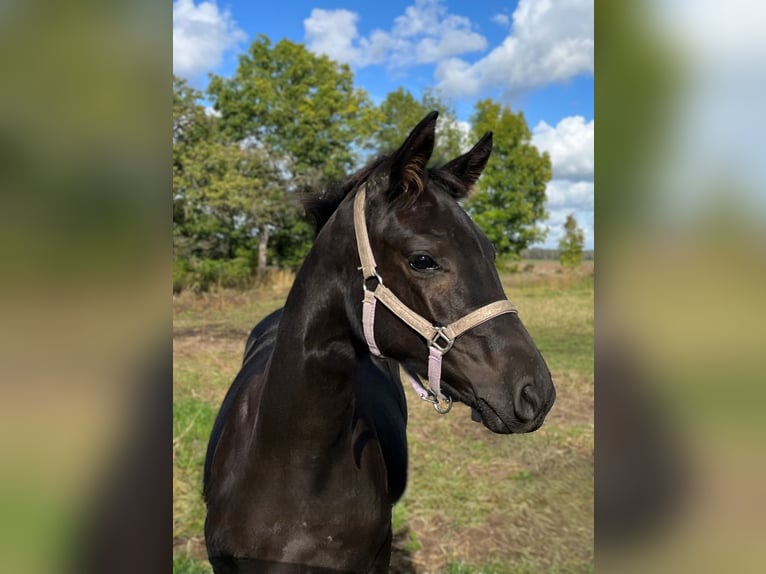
(439, 339)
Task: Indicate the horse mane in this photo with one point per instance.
(320, 206)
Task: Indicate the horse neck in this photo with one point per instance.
(309, 385)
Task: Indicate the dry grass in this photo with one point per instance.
(475, 501)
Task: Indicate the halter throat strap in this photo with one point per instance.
(439, 339)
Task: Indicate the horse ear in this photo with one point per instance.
(468, 167)
(409, 161)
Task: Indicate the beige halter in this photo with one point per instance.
(439, 339)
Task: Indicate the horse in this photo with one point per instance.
(308, 452)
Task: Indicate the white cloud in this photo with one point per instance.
(501, 20)
(201, 36)
(451, 41)
(332, 32)
(419, 18)
(570, 145)
(551, 41)
(456, 78)
(425, 33)
(571, 195)
(465, 134)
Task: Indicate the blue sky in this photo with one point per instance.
(535, 55)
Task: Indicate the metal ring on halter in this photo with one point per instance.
(439, 336)
(434, 400)
(443, 410)
(375, 276)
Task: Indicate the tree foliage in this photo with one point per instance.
(302, 107)
(571, 244)
(190, 123)
(296, 122)
(510, 202)
(224, 195)
(400, 112)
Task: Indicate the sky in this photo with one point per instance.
(534, 55)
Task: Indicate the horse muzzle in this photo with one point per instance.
(525, 412)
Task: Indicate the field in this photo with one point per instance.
(476, 501)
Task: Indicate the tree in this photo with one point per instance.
(400, 111)
(304, 113)
(190, 123)
(303, 107)
(224, 195)
(571, 245)
(510, 202)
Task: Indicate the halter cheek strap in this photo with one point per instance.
(439, 339)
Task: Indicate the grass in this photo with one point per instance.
(185, 564)
(476, 501)
(501, 568)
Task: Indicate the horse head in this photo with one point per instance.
(438, 264)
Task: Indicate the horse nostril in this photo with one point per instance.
(527, 404)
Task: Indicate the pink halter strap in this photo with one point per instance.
(439, 339)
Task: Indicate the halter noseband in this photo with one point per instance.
(439, 339)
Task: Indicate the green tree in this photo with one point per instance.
(400, 112)
(190, 122)
(510, 202)
(304, 112)
(304, 108)
(571, 244)
(225, 196)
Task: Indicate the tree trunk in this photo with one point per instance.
(263, 243)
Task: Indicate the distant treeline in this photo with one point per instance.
(551, 254)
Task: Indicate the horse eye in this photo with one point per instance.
(422, 262)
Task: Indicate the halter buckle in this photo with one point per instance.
(440, 341)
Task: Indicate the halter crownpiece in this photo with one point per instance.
(439, 339)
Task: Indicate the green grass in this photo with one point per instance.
(185, 564)
(192, 423)
(500, 568)
(475, 501)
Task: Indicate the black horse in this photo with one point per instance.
(308, 452)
